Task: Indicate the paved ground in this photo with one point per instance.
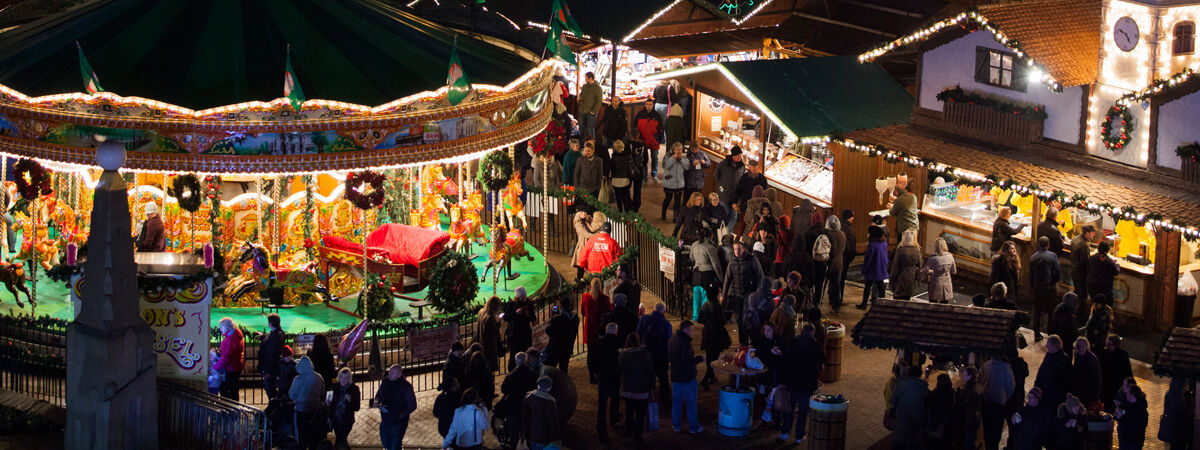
(864, 373)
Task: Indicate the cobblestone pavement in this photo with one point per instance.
(863, 375)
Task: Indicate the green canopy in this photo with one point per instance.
(208, 53)
(822, 96)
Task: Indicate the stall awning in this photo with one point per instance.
(816, 96)
(941, 329)
(1179, 356)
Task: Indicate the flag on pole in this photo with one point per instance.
(457, 83)
(563, 16)
(91, 84)
(556, 42)
(291, 86)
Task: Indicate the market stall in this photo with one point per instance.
(1179, 359)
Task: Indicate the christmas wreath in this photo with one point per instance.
(453, 283)
(495, 170)
(376, 301)
(186, 189)
(365, 200)
(551, 141)
(1116, 142)
(31, 179)
(1189, 151)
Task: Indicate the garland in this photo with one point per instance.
(549, 298)
(186, 190)
(309, 203)
(551, 141)
(1080, 201)
(957, 94)
(453, 283)
(640, 223)
(1157, 86)
(45, 323)
(1189, 151)
(369, 200)
(376, 302)
(31, 179)
(1116, 143)
(62, 273)
(495, 170)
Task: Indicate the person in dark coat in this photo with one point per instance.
(1030, 426)
(540, 424)
(968, 409)
(346, 401)
(851, 248)
(609, 377)
(742, 277)
(1049, 230)
(514, 387)
(1114, 369)
(1000, 298)
(801, 366)
(908, 400)
(875, 262)
(714, 338)
(1086, 374)
(820, 269)
(1002, 230)
(746, 184)
(152, 234)
(939, 406)
(637, 381)
(396, 402)
(632, 290)
(1102, 270)
(625, 317)
(1099, 324)
(1062, 321)
(479, 376)
(268, 356)
(561, 331)
(1131, 413)
(728, 172)
(801, 219)
(714, 214)
(1080, 251)
(683, 379)
(769, 349)
(1006, 268)
(287, 372)
(448, 400)
(1044, 273)
(1055, 376)
(456, 364)
(520, 318)
(902, 271)
(322, 360)
(654, 332)
(688, 220)
(614, 125)
(489, 331)
(1070, 424)
(1176, 426)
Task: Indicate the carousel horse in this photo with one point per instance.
(13, 277)
(513, 206)
(46, 249)
(516, 242)
(258, 274)
(500, 256)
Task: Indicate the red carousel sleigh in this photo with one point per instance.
(391, 249)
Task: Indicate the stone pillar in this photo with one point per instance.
(112, 392)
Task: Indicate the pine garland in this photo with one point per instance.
(1189, 151)
(639, 223)
(309, 204)
(957, 94)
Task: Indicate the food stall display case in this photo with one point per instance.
(963, 215)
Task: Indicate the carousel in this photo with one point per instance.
(365, 199)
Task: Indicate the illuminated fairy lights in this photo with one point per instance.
(1075, 200)
(548, 66)
(1038, 71)
(649, 21)
(732, 79)
(568, 32)
(752, 13)
(1158, 86)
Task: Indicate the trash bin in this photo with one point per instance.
(1099, 433)
(1185, 305)
(827, 422)
(733, 419)
(832, 370)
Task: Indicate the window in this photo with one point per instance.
(998, 68)
(1185, 38)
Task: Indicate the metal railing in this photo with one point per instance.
(191, 419)
(33, 362)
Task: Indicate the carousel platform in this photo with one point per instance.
(54, 300)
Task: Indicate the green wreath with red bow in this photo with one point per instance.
(1118, 142)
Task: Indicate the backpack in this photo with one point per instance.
(821, 248)
(750, 317)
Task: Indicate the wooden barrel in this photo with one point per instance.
(832, 370)
(826, 425)
(1099, 434)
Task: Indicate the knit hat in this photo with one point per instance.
(151, 208)
(287, 351)
(545, 383)
(606, 227)
(1070, 299)
(759, 247)
(735, 151)
(847, 213)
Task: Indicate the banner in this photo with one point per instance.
(433, 342)
(180, 320)
(666, 262)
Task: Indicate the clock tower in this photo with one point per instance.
(1140, 41)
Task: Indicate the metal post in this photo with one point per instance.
(615, 58)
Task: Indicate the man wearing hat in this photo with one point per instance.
(600, 251)
(152, 234)
(540, 424)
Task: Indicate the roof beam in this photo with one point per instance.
(843, 24)
(896, 11)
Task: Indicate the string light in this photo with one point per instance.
(733, 80)
(1039, 72)
(648, 21)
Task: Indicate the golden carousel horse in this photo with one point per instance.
(258, 274)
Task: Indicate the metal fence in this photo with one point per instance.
(191, 419)
(33, 362)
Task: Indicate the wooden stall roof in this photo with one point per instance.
(911, 140)
(1179, 355)
(936, 328)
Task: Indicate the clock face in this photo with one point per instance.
(1125, 34)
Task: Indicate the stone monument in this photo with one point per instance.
(112, 392)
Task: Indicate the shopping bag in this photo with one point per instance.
(652, 416)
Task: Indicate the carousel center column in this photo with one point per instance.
(112, 393)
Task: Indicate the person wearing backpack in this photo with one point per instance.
(751, 319)
(837, 241)
(742, 277)
(821, 248)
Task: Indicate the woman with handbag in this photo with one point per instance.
(904, 266)
(346, 401)
(938, 270)
(470, 421)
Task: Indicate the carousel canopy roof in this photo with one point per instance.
(208, 53)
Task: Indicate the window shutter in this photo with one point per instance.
(981, 65)
(1018, 75)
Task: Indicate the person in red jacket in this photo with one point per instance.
(231, 359)
(595, 307)
(599, 251)
(649, 129)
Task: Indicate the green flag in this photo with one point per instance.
(459, 86)
(291, 85)
(563, 16)
(91, 84)
(556, 42)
